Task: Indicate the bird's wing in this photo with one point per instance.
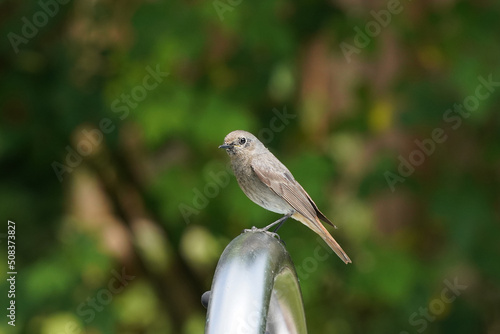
(318, 213)
(279, 179)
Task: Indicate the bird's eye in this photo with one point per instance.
(242, 141)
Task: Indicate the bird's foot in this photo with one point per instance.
(253, 229)
(273, 234)
(256, 229)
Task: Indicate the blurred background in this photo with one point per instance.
(385, 111)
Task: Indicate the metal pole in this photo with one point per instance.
(255, 289)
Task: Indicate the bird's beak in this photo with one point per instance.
(225, 146)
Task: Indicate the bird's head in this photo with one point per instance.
(239, 142)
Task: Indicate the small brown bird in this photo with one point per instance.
(268, 183)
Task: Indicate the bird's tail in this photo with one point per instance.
(317, 227)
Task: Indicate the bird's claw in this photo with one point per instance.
(256, 229)
(253, 229)
(274, 235)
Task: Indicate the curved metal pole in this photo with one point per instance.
(255, 289)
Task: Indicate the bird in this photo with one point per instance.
(267, 182)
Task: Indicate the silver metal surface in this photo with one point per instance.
(255, 289)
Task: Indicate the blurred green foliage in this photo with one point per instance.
(152, 195)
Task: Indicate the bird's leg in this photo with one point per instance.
(265, 229)
(279, 222)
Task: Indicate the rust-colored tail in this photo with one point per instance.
(324, 234)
